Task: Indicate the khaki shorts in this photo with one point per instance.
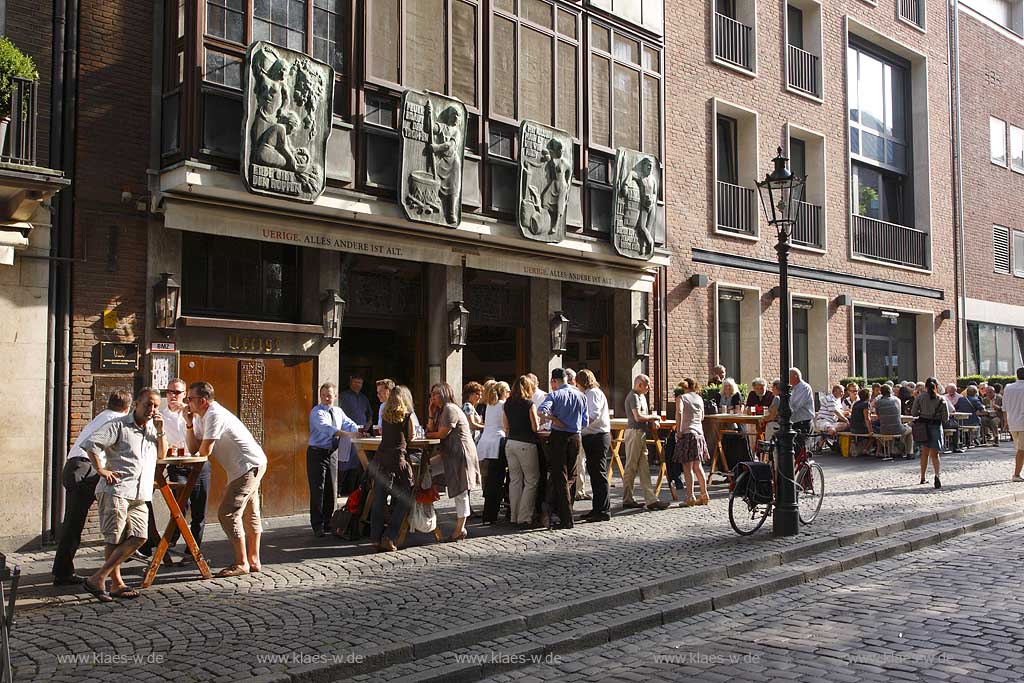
(121, 517)
(1018, 440)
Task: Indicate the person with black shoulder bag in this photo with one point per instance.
(931, 411)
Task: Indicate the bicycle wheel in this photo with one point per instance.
(744, 516)
(810, 490)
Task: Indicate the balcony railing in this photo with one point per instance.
(736, 209)
(889, 242)
(803, 71)
(807, 231)
(732, 41)
(20, 147)
(912, 11)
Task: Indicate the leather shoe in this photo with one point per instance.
(631, 505)
(599, 517)
(658, 505)
(73, 580)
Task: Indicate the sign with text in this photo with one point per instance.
(119, 356)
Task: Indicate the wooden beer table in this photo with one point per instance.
(367, 446)
(718, 455)
(618, 432)
(174, 504)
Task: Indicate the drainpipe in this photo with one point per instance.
(953, 41)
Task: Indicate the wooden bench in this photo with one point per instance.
(885, 442)
(947, 437)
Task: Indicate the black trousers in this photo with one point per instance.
(322, 472)
(598, 449)
(494, 488)
(802, 428)
(79, 479)
(563, 450)
(196, 501)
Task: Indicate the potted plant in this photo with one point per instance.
(13, 64)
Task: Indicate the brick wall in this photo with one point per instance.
(693, 80)
(112, 157)
(30, 27)
(991, 84)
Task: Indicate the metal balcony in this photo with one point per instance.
(803, 71)
(912, 11)
(20, 147)
(889, 242)
(807, 231)
(733, 41)
(736, 209)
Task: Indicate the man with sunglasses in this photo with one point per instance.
(175, 430)
(211, 430)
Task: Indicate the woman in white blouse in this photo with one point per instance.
(597, 445)
(489, 449)
(691, 448)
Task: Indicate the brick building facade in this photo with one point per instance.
(841, 278)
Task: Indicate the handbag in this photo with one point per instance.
(919, 428)
(422, 518)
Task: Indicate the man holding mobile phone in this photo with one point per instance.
(124, 452)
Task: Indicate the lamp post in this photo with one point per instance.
(781, 193)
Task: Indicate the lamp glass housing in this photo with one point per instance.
(781, 193)
(332, 312)
(167, 300)
(458, 325)
(559, 332)
(641, 338)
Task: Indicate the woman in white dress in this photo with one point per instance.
(490, 450)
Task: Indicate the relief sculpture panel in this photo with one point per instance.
(636, 204)
(287, 121)
(545, 178)
(433, 147)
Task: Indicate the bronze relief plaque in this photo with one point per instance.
(433, 147)
(287, 121)
(545, 179)
(636, 204)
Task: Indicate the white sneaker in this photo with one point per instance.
(1017, 478)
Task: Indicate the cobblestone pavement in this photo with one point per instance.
(947, 613)
(317, 602)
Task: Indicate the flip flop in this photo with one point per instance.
(100, 594)
(126, 593)
(228, 572)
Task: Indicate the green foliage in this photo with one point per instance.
(708, 393)
(13, 64)
(962, 382)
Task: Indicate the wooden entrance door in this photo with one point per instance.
(272, 396)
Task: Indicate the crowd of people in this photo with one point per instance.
(533, 451)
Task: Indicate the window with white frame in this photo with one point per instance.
(1007, 13)
(1018, 253)
(1017, 149)
(997, 140)
(1000, 249)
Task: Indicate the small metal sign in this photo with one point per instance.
(162, 346)
(119, 356)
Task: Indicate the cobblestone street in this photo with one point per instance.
(321, 611)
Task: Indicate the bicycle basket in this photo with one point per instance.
(759, 482)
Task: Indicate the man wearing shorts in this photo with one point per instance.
(1013, 408)
(124, 453)
(212, 431)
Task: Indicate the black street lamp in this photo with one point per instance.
(781, 193)
(167, 300)
(642, 339)
(332, 313)
(559, 332)
(458, 325)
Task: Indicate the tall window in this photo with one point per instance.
(1017, 149)
(997, 141)
(795, 26)
(798, 157)
(729, 331)
(885, 344)
(1018, 253)
(880, 137)
(408, 44)
(993, 349)
(728, 166)
(625, 87)
(801, 336)
(535, 64)
(282, 22)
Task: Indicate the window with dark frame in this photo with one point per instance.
(727, 151)
(729, 340)
(795, 26)
(238, 278)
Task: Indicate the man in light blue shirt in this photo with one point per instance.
(330, 431)
(567, 409)
(801, 403)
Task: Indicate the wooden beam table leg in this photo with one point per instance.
(177, 521)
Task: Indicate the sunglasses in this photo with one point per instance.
(175, 392)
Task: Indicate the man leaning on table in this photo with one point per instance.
(124, 453)
(330, 432)
(638, 423)
(212, 431)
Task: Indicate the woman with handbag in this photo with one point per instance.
(489, 450)
(931, 412)
(691, 449)
(522, 423)
(458, 452)
(391, 472)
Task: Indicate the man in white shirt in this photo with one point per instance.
(581, 463)
(1013, 408)
(79, 478)
(212, 431)
(175, 430)
(801, 403)
(597, 445)
(124, 453)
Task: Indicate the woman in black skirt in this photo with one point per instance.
(691, 448)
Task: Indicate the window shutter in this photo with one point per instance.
(1001, 248)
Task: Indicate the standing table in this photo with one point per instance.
(367, 446)
(618, 433)
(177, 521)
(718, 456)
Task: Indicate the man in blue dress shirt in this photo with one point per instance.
(330, 430)
(567, 410)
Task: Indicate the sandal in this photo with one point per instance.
(455, 539)
(228, 572)
(100, 594)
(126, 593)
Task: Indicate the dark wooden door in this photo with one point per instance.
(273, 397)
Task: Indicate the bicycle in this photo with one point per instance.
(749, 507)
